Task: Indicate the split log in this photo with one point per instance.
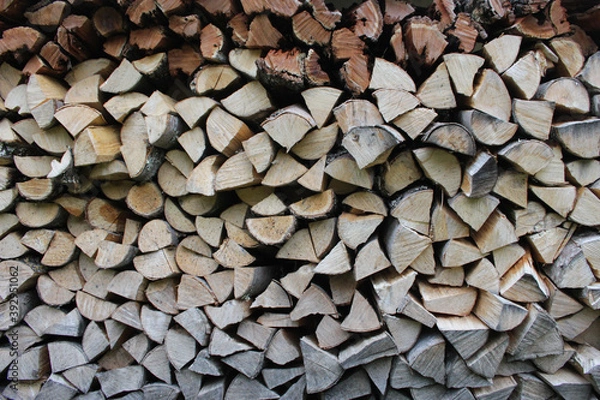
(413, 209)
(523, 284)
(125, 78)
(445, 300)
(283, 69)
(568, 94)
(577, 138)
(237, 172)
(371, 145)
(293, 120)
(453, 137)
(94, 308)
(436, 91)
(370, 259)
(415, 244)
(96, 145)
(534, 117)
(567, 383)
(387, 75)
(393, 102)
(322, 368)
(121, 106)
(336, 262)
(529, 156)
(429, 347)
(424, 41)
(512, 185)
(441, 167)
(586, 203)
(462, 69)
(284, 170)
(121, 380)
(156, 265)
(582, 172)
(503, 233)
(523, 77)
(488, 129)
(498, 313)
(400, 172)
(458, 252)
(362, 317)
(491, 96)
(345, 44)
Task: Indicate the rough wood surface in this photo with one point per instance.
(293, 199)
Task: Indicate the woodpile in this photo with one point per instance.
(291, 199)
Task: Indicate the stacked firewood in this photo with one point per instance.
(284, 199)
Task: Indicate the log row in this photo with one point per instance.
(261, 200)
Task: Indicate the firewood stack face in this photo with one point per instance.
(284, 199)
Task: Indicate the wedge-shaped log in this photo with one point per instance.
(369, 260)
(427, 356)
(571, 269)
(568, 94)
(534, 117)
(320, 102)
(317, 143)
(315, 206)
(523, 284)
(284, 170)
(362, 317)
(473, 211)
(387, 75)
(413, 244)
(96, 145)
(260, 150)
(481, 175)
(391, 289)
(356, 112)
(451, 136)
(272, 230)
(399, 172)
(462, 69)
(235, 173)
(491, 96)
(486, 360)
(414, 122)
(436, 91)
(226, 132)
(448, 300)
(579, 138)
(299, 247)
(529, 156)
(121, 380)
(371, 145)
(523, 77)
(441, 166)
(486, 128)
(157, 264)
(466, 334)
(497, 232)
(289, 125)
(502, 52)
(336, 262)
(355, 230)
(250, 101)
(323, 369)
(498, 313)
(394, 102)
(123, 79)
